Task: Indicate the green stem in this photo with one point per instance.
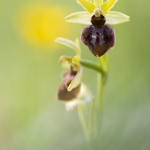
(83, 119)
(92, 65)
(100, 92)
(101, 79)
(101, 68)
(97, 103)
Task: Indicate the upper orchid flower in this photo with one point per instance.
(83, 17)
(99, 36)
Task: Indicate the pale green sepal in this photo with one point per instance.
(82, 17)
(69, 44)
(65, 58)
(114, 18)
(98, 3)
(78, 43)
(76, 81)
(65, 62)
(87, 5)
(108, 5)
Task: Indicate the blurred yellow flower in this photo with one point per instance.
(40, 24)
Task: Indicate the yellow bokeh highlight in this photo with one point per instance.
(41, 24)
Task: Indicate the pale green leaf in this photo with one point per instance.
(69, 44)
(87, 5)
(82, 17)
(76, 81)
(108, 5)
(114, 17)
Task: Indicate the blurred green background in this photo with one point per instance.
(31, 117)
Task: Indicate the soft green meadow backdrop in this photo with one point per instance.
(31, 117)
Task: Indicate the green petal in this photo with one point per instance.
(108, 5)
(76, 81)
(114, 17)
(87, 5)
(98, 3)
(82, 17)
(69, 44)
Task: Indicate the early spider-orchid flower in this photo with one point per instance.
(71, 90)
(100, 36)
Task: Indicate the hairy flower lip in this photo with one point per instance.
(63, 93)
(98, 40)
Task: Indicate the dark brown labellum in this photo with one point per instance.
(98, 39)
(63, 93)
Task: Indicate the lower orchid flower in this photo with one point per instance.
(71, 90)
